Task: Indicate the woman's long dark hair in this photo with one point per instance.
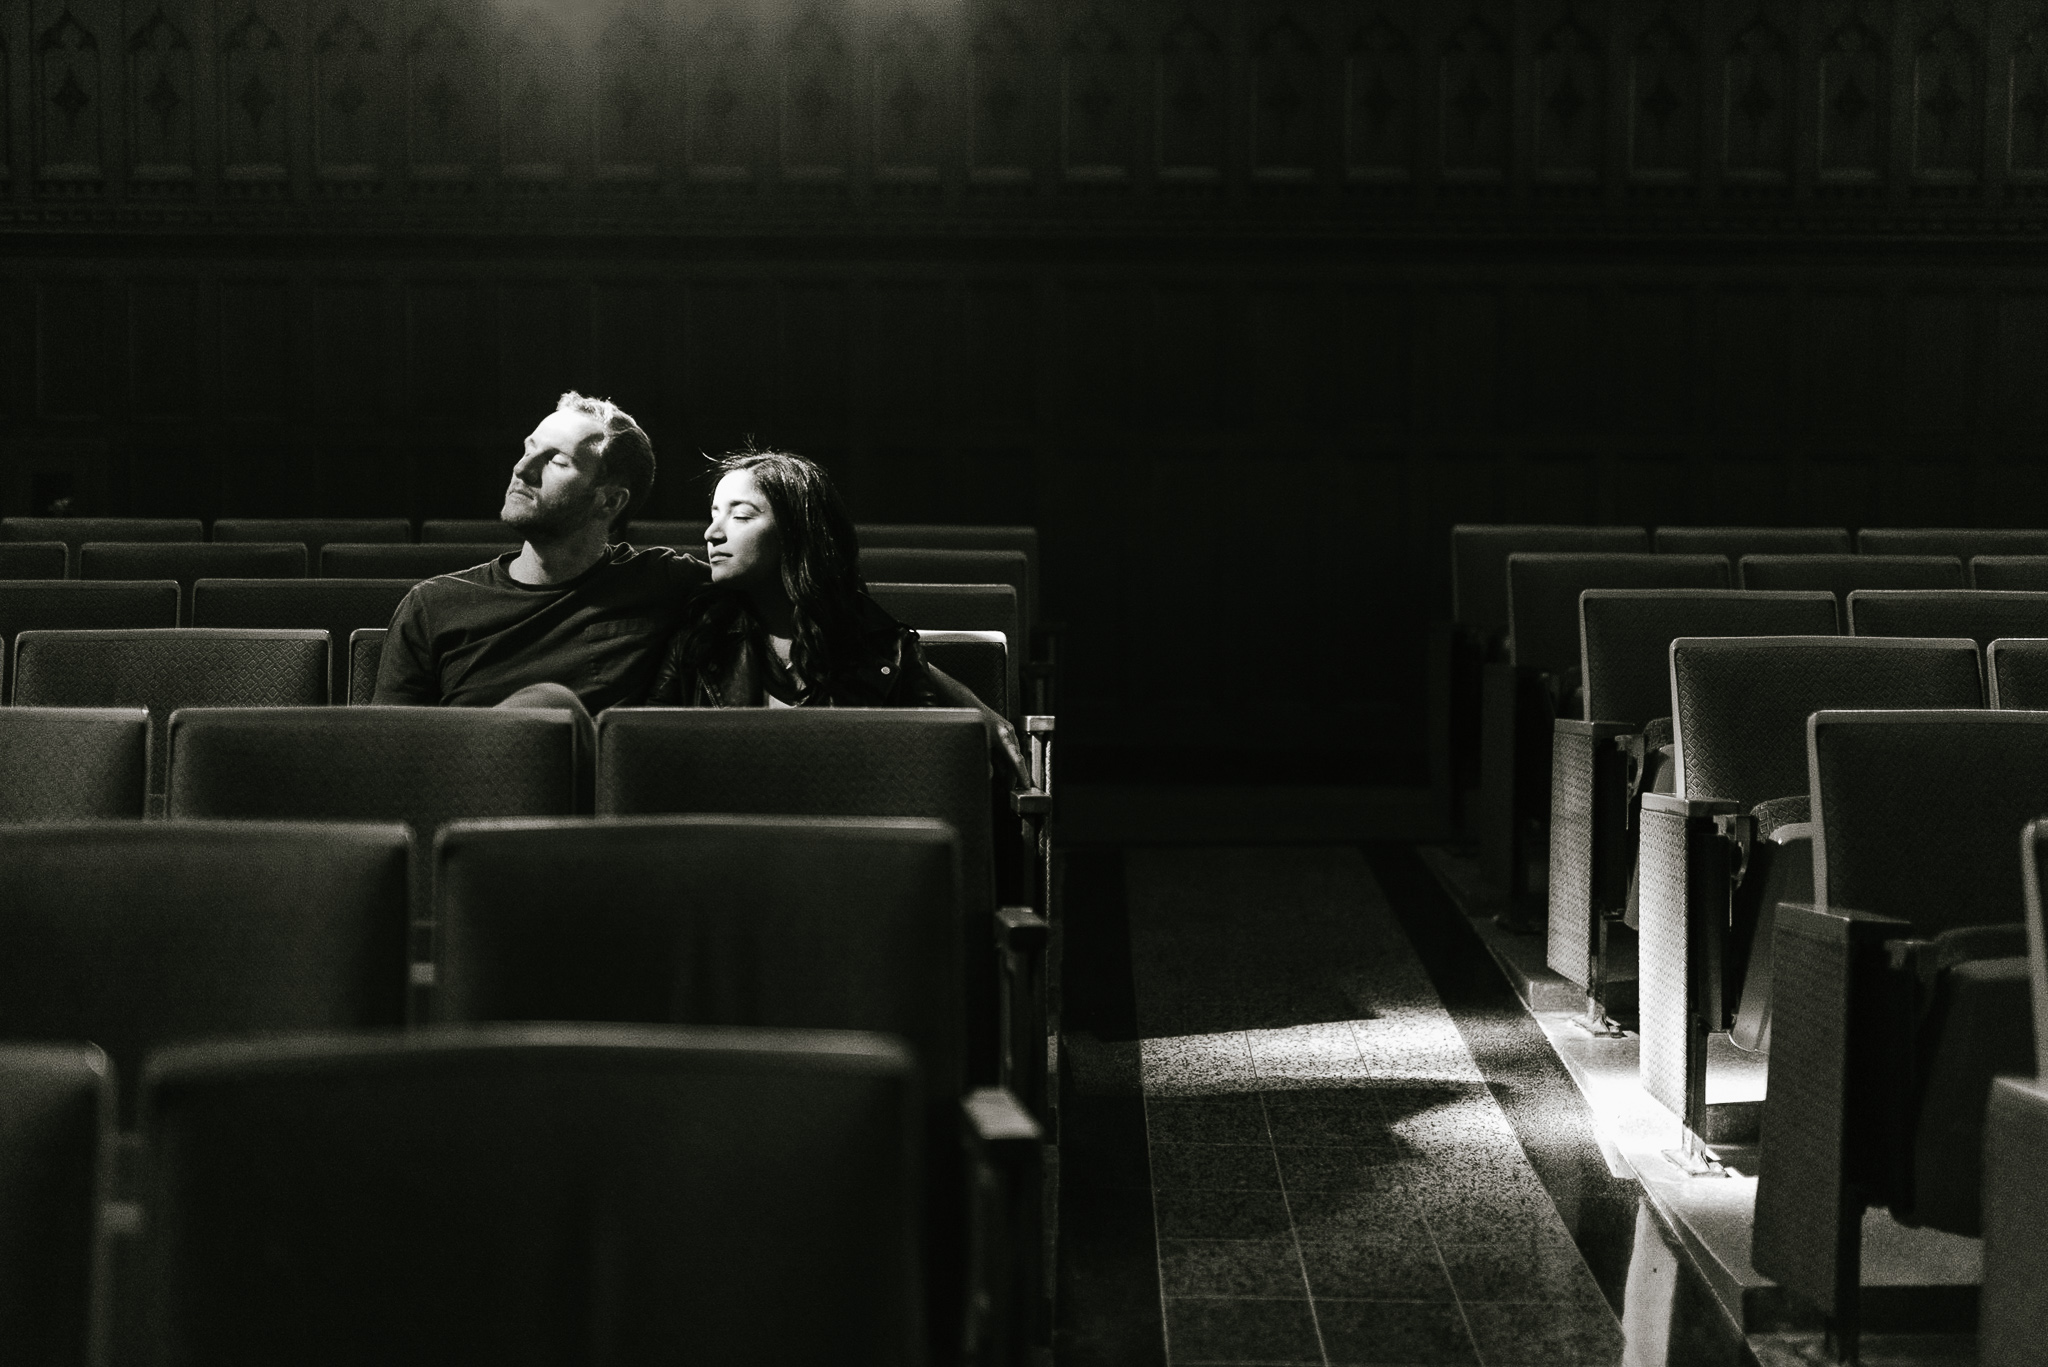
(820, 569)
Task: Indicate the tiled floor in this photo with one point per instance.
(1333, 1180)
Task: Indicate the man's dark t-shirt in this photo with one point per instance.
(475, 638)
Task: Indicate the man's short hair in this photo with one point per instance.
(625, 456)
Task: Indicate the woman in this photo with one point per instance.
(786, 620)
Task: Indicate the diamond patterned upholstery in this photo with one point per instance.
(1736, 542)
(1841, 575)
(468, 531)
(166, 670)
(67, 764)
(2013, 1315)
(32, 559)
(2025, 572)
(924, 565)
(336, 606)
(1962, 542)
(135, 934)
(1544, 589)
(1742, 703)
(2018, 671)
(513, 1196)
(69, 605)
(344, 560)
(76, 531)
(924, 762)
(1479, 564)
(312, 532)
(59, 1102)
(365, 656)
(1984, 615)
(186, 563)
(1627, 635)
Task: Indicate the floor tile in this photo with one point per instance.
(1459, 1219)
(1230, 1267)
(1240, 1331)
(1544, 1335)
(1359, 1332)
(1324, 1216)
(1329, 1168)
(1376, 1269)
(1491, 1272)
(1322, 1125)
(1221, 1215)
(1235, 1118)
(1215, 1167)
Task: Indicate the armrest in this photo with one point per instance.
(1598, 730)
(1007, 1310)
(1021, 937)
(1795, 831)
(1674, 805)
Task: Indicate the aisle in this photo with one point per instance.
(1333, 1180)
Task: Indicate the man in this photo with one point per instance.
(568, 608)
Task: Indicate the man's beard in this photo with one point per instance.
(538, 521)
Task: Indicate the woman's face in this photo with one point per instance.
(742, 543)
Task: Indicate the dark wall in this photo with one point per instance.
(1242, 303)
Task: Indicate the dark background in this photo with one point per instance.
(1243, 304)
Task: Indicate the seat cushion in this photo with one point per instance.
(1981, 1026)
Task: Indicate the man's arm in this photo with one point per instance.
(406, 676)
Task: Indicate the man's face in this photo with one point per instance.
(555, 488)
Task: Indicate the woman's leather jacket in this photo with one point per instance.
(888, 671)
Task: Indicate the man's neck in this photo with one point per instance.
(557, 560)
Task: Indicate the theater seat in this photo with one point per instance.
(365, 658)
(73, 763)
(188, 563)
(1620, 748)
(1961, 542)
(2018, 673)
(921, 565)
(979, 659)
(136, 934)
(2013, 1314)
(336, 606)
(312, 532)
(1841, 575)
(1736, 542)
(1903, 987)
(473, 531)
(69, 605)
(76, 531)
(32, 559)
(56, 1106)
(525, 1197)
(2028, 572)
(960, 607)
(1984, 615)
(342, 560)
(167, 670)
(1733, 840)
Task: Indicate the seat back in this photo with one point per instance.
(1842, 575)
(1984, 615)
(2018, 673)
(312, 532)
(1626, 636)
(136, 934)
(2034, 870)
(1961, 542)
(1479, 564)
(419, 765)
(32, 560)
(69, 605)
(365, 657)
(345, 560)
(2026, 572)
(1736, 542)
(163, 671)
(471, 531)
(919, 565)
(187, 563)
(792, 922)
(979, 659)
(335, 606)
(684, 535)
(528, 1196)
(1544, 589)
(72, 763)
(76, 531)
(58, 1110)
(926, 608)
(939, 537)
(1916, 812)
(1740, 704)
